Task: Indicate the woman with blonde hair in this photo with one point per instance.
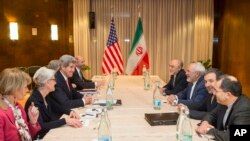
(14, 125)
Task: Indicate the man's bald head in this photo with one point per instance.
(175, 66)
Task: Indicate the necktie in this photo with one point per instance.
(67, 82)
(174, 81)
(212, 99)
(225, 117)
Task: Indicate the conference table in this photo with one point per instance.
(128, 120)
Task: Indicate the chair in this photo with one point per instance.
(24, 100)
(31, 71)
(23, 69)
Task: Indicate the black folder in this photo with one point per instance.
(155, 119)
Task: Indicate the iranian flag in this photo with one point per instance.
(138, 56)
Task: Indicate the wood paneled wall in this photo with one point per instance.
(232, 56)
(35, 50)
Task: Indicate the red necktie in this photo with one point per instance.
(67, 82)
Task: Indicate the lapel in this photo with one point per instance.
(221, 113)
(200, 80)
(39, 98)
(230, 113)
(63, 84)
(189, 89)
(10, 115)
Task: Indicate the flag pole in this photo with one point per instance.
(139, 9)
(112, 11)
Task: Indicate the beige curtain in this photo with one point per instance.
(173, 29)
(81, 30)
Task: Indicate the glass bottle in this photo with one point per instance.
(186, 129)
(104, 133)
(114, 72)
(111, 82)
(144, 71)
(147, 81)
(109, 98)
(107, 117)
(157, 97)
(179, 123)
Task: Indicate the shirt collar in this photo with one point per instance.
(65, 78)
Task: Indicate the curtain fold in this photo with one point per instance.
(180, 29)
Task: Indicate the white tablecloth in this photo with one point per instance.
(127, 120)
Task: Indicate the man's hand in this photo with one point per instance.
(203, 128)
(171, 99)
(162, 90)
(88, 99)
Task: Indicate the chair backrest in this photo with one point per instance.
(25, 69)
(31, 71)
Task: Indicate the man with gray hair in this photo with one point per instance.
(64, 94)
(210, 78)
(195, 94)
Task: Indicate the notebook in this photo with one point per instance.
(155, 119)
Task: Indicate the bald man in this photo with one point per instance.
(79, 80)
(178, 78)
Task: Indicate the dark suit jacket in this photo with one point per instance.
(239, 115)
(204, 109)
(198, 98)
(81, 82)
(68, 99)
(47, 118)
(180, 83)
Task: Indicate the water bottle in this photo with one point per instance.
(104, 133)
(114, 72)
(157, 97)
(147, 81)
(111, 82)
(109, 98)
(144, 71)
(179, 123)
(107, 117)
(186, 129)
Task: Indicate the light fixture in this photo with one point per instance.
(54, 32)
(13, 31)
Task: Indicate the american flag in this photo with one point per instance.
(112, 57)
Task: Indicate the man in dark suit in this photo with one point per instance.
(178, 78)
(195, 94)
(210, 77)
(79, 80)
(233, 109)
(64, 93)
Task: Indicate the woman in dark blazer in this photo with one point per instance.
(45, 81)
